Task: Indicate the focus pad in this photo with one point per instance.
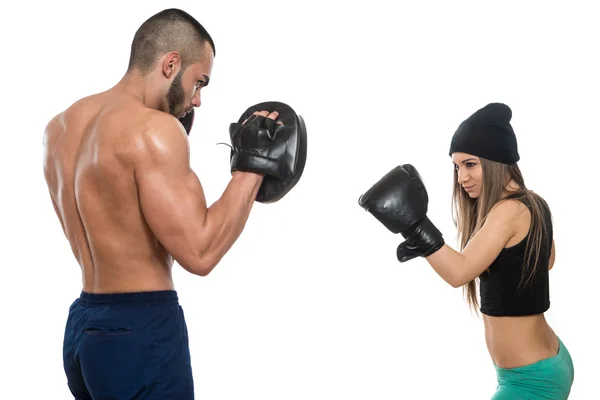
(290, 151)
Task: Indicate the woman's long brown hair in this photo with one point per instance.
(470, 214)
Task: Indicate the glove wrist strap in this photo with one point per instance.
(254, 163)
(429, 237)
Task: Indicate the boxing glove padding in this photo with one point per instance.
(398, 200)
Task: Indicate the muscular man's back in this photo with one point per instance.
(117, 165)
(90, 153)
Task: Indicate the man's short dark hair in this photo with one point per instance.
(168, 30)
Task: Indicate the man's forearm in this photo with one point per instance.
(227, 217)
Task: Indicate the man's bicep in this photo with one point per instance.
(171, 198)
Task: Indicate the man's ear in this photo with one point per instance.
(171, 64)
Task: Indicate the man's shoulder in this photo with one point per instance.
(75, 110)
(159, 127)
(158, 122)
(53, 128)
(160, 135)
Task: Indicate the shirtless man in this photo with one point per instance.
(117, 165)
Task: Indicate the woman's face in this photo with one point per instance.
(469, 172)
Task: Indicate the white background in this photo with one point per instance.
(311, 302)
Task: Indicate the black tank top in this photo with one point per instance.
(501, 290)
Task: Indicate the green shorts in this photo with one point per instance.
(548, 379)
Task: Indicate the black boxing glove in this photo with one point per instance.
(187, 121)
(425, 240)
(258, 145)
(399, 201)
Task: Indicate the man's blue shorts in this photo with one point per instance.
(128, 346)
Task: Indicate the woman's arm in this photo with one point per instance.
(458, 268)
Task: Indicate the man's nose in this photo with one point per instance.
(196, 99)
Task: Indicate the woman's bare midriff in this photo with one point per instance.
(518, 341)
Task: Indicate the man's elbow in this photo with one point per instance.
(204, 265)
(201, 266)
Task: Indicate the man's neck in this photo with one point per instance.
(140, 87)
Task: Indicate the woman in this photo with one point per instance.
(506, 244)
(504, 223)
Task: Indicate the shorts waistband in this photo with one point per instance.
(129, 298)
(558, 358)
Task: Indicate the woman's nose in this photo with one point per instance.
(462, 176)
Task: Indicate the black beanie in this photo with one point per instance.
(488, 134)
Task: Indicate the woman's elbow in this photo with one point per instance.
(458, 281)
(456, 284)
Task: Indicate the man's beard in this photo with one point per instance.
(175, 96)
